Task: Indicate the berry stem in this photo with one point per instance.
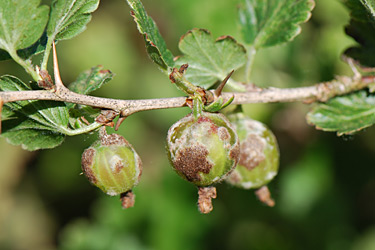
(127, 199)
(264, 195)
(205, 196)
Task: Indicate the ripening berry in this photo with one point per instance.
(203, 149)
(259, 153)
(112, 164)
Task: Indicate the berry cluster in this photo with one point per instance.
(203, 147)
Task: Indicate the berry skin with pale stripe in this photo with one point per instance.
(259, 157)
(112, 164)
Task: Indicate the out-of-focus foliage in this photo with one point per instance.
(272, 22)
(324, 192)
(362, 29)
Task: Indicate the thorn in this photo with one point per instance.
(58, 82)
(119, 122)
(219, 89)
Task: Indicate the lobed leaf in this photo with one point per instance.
(268, 23)
(344, 114)
(22, 23)
(33, 124)
(69, 18)
(155, 44)
(91, 80)
(362, 30)
(88, 82)
(209, 60)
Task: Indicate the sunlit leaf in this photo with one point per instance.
(155, 44)
(344, 114)
(370, 6)
(69, 18)
(270, 22)
(22, 23)
(209, 60)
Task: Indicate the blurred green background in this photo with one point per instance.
(324, 192)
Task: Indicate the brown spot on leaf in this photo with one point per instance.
(86, 163)
(191, 161)
(251, 152)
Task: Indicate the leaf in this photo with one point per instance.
(209, 60)
(268, 23)
(22, 23)
(69, 18)
(91, 80)
(31, 139)
(370, 6)
(33, 124)
(362, 29)
(38, 47)
(344, 114)
(155, 44)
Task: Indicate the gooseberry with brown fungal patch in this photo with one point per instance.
(203, 149)
(259, 157)
(113, 165)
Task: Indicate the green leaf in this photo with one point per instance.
(362, 29)
(344, 114)
(267, 23)
(88, 82)
(69, 18)
(32, 139)
(33, 124)
(91, 80)
(38, 47)
(370, 6)
(155, 44)
(209, 60)
(22, 23)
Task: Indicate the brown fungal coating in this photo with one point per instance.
(259, 156)
(112, 164)
(191, 161)
(87, 161)
(252, 152)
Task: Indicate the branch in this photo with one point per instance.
(319, 92)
